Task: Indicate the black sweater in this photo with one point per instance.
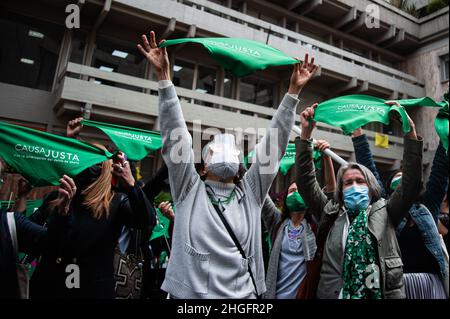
(89, 243)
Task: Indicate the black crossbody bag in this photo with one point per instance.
(238, 245)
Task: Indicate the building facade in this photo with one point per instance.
(50, 73)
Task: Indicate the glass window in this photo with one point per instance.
(29, 50)
(228, 85)
(124, 58)
(206, 81)
(183, 74)
(78, 46)
(256, 91)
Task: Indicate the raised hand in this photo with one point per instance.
(74, 127)
(122, 170)
(23, 187)
(306, 119)
(301, 74)
(322, 145)
(412, 134)
(156, 56)
(66, 192)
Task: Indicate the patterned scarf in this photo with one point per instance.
(361, 274)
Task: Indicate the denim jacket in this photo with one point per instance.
(424, 212)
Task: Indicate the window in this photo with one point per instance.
(206, 81)
(29, 50)
(444, 68)
(256, 91)
(114, 56)
(183, 74)
(78, 47)
(228, 85)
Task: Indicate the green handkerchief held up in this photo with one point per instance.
(134, 142)
(240, 56)
(351, 112)
(42, 158)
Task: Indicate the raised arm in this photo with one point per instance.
(272, 147)
(270, 214)
(177, 142)
(156, 183)
(409, 189)
(437, 183)
(135, 209)
(307, 184)
(330, 177)
(364, 156)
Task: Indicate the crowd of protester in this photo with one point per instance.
(348, 235)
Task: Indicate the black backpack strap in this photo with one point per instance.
(238, 245)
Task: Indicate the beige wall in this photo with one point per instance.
(425, 65)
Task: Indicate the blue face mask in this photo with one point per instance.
(356, 198)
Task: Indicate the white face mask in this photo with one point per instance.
(222, 156)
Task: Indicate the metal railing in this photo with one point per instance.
(286, 34)
(89, 74)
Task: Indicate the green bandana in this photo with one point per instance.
(354, 111)
(162, 228)
(135, 143)
(43, 158)
(441, 123)
(288, 160)
(420, 102)
(361, 274)
(295, 202)
(242, 57)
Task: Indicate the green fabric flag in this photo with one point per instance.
(423, 101)
(354, 111)
(162, 228)
(441, 123)
(242, 57)
(288, 160)
(42, 158)
(135, 143)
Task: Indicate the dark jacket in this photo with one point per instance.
(30, 237)
(88, 243)
(383, 218)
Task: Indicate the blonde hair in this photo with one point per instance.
(99, 194)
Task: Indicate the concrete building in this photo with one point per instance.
(50, 73)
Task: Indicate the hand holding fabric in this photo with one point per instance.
(156, 56)
(412, 133)
(74, 127)
(166, 209)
